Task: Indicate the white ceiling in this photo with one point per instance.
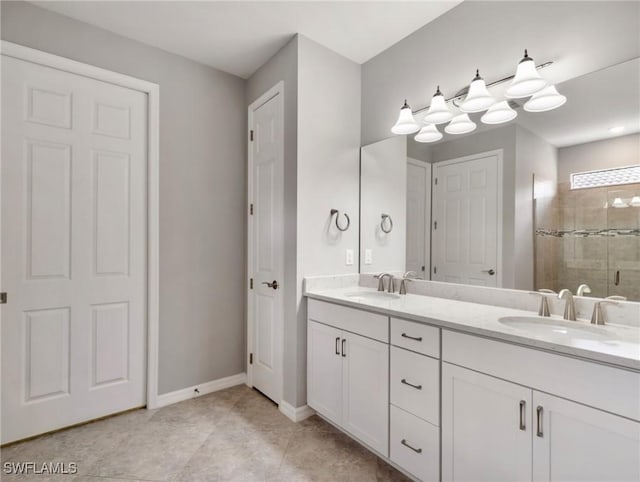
(239, 36)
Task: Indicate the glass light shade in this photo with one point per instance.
(428, 133)
(619, 203)
(499, 113)
(405, 124)
(635, 201)
(460, 124)
(547, 99)
(438, 112)
(478, 98)
(527, 80)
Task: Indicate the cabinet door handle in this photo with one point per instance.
(404, 442)
(523, 404)
(344, 353)
(539, 420)
(417, 387)
(416, 338)
(337, 345)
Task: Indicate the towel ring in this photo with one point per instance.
(385, 217)
(337, 214)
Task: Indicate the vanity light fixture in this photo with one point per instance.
(499, 113)
(527, 80)
(619, 203)
(635, 202)
(478, 99)
(428, 133)
(405, 124)
(616, 129)
(460, 124)
(547, 99)
(438, 112)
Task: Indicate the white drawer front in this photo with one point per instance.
(416, 337)
(415, 384)
(371, 325)
(414, 445)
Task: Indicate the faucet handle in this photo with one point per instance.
(544, 303)
(597, 317)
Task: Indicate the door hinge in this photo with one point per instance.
(250, 283)
(422, 269)
(251, 209)
(250, 358)
(251, 135)
(435, 225)
(3, 298)
(436, 181)
(435, 270)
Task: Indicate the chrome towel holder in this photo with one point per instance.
(385, 217)
(336, 213)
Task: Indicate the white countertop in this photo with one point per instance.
(622, 348)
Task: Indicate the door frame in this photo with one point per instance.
(277, 89)
(152, 91)
(499, 153)
(427, 212)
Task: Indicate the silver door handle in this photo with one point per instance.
(523, 404)
(404, 442)
(490, 271)
(337, 345)
(616, 278)
(344, 353)
(417, 387)
(539, 421)
(273, 284)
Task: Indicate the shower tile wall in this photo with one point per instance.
(589, 241)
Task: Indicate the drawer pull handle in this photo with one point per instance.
(404, 442)
(523, 404)
(416, 338)
(344, 353)
(337, 345)
(539, 418)
(417, 387)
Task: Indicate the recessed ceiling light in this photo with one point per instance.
(616, 130)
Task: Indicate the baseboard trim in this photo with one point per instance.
(297, 414)
(203, 388)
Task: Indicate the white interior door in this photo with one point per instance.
(73, 248)
(465, 229)
(418, 216)
(266, 245)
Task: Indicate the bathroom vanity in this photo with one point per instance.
(452, 390)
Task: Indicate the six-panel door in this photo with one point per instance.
(486, 428)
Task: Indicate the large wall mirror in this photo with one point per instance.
(547, 200)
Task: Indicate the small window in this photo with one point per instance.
(606, 177)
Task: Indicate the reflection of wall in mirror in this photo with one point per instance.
(383, 190)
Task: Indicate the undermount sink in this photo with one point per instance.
(372, 295)
(555, 328)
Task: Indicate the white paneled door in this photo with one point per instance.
(266, 244)
(418, 216)
(465, 228)
(73, 248)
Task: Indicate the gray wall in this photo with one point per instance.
(284, 67)
(614, 152)
(202, 194)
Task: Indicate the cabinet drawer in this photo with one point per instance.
(371, 325)
(415, 384)
(416, 337)
(414, 445)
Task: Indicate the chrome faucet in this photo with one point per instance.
(583, 289)
(569, 306)
(407, 276)
(544, 302)
(598, 318)
(380, 277)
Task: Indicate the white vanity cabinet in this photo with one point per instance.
(348, 371)
(494, 429)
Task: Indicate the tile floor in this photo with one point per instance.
(233, 434)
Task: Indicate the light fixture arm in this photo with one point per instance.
(461, 93)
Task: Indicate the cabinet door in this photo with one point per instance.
(324, 370)
(486, 428)
(575, 442)
(365, 387)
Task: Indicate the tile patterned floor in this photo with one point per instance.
(234, 434)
